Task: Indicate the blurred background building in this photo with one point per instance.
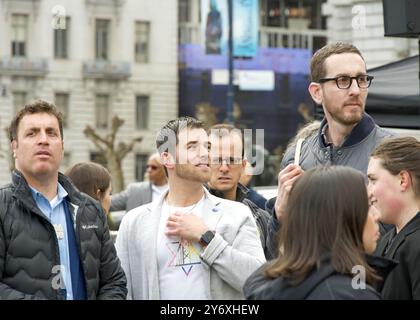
(112, 57)
(143, 60)
(361, 22)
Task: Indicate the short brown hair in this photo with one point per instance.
(398, 154)
(325, 214)
(167, 137)
(88, 177)
(172, 128)
(318, 59)
(38, 106)
(223, 129)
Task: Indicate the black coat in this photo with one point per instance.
(29, 249)
(403, 283)
(261, 216)
(323, 283)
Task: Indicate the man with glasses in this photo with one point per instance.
(347, 135)
(227, 163)
(189, 244)
(140, 193)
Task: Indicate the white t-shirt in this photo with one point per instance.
(157, 191)
(181, 274)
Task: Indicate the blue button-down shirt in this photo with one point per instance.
(54, 211)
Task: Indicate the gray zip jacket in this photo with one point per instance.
(354, 152)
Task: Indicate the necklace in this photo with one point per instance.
(171, 208)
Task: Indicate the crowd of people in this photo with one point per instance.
(345, 223)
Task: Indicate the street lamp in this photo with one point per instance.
(230, 93)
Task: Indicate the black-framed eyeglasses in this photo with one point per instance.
(345, 82)
(229, 161)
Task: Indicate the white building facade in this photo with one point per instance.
(361, 22)
(112, 57)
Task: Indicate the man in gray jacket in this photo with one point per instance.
(189, 244)
(140, 193)
(54, 240)
(346, 136)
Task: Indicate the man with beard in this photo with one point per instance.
(346, 136)
(188, 244)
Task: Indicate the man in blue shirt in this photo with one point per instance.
(55, 238)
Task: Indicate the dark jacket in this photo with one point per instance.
(29, 250)
(323, 283)
(261, 216)
(256, 198)
(403, 283)
(273, 227)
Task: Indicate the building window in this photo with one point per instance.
(142, 112)
(141, 165)
(62, 104)
(19, 100)
(184, 11)
(98, 157)
(101, 39)
(61, 41)
(293, 14)
(141, 47)
(19, 34)
(102, 111)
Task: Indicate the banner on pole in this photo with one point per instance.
(215, 27)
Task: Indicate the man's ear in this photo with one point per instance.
(315, 91)
(243, 165)
(13, 146)
(167, 160)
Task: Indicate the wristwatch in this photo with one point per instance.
(206, 238)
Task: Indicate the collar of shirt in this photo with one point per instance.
(159, 189)
(46, 206)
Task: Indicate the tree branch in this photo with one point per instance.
(116, 124)
(95, 138)
(124, 149)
